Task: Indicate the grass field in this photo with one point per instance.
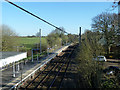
(30, 42)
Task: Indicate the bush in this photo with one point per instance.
(9, 39)
(90, 70)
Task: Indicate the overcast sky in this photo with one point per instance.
(70, 15)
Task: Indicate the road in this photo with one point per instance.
(112, 62)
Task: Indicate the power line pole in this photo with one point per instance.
(61, 41)
(40, 40)
(47, 50)
(32, 55)
(37, 52)
(14, 69)
(79, 36)
(18, 67)
(119, 21)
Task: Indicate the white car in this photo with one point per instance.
(100, 58)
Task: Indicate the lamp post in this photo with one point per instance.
(37, 52)
(13, 69)
(32, 55)
(80, 36)
(40, 40)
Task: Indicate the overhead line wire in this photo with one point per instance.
(34, 15)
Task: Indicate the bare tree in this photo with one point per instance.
(9, 39)
(106, 23)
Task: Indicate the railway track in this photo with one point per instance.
(53, 73)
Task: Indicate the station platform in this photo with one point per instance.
(10, 82)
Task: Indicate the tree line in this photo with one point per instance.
(104, 24)
(10, 40)
(96, 42)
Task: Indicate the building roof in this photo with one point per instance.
(8, 54)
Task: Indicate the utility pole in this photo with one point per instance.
(47, 50)
(40, 40)
(32, 55)
(79, 36)
(18, 67)
(61, 41)
(119, 21)
(118, 32)
(37, 51)
(17, 48)
(13, 69)
(21, 70)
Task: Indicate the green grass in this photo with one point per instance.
(30, 42)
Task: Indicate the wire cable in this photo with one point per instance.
(34, 15)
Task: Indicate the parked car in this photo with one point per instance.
(112, 70)
(100, 58)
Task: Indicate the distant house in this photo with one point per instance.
(102, 41)
(115, 47)
(10, 57)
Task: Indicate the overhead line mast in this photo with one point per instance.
(35, 15)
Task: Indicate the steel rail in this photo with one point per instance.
(37, 76)
(57, 74)
(45, 76)
(53, 61)
(49, 72)
(65, 71)
(41, 73)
